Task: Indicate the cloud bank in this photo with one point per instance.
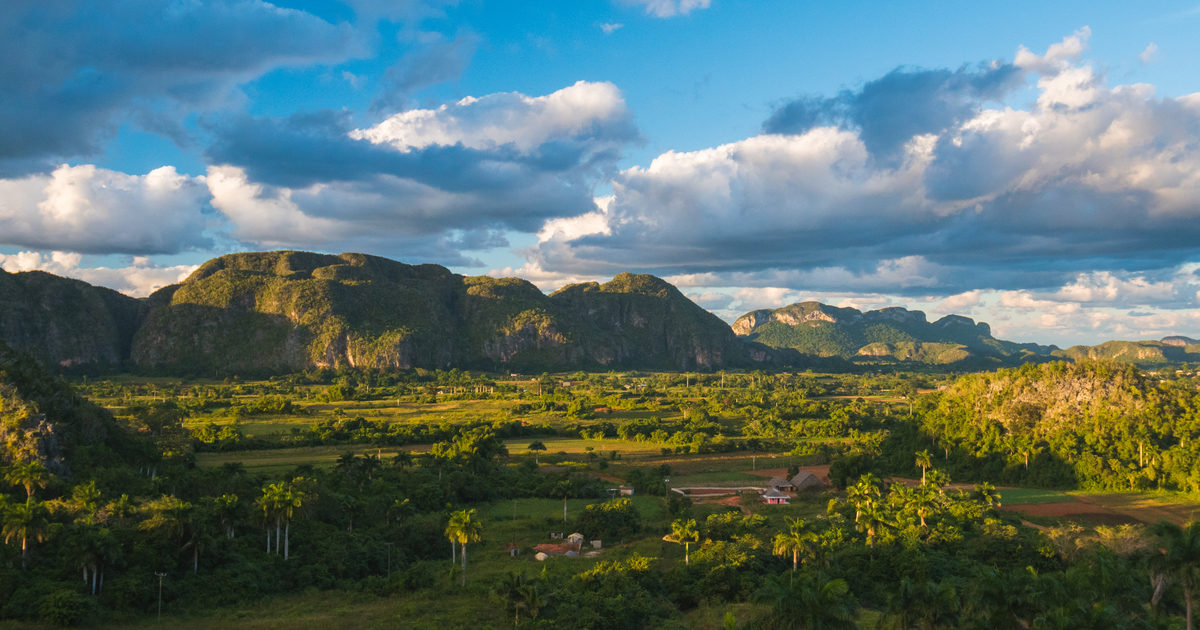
(920, 183)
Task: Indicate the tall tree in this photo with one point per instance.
(924, 462)
(684, 533)
(567, 490)
(464, 528)
(25, 521)
(30, 475)
(797, 540)
(922, 606)
(813, 602)
(1180, 558)
(535, 447)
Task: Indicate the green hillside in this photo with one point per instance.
(294, 310)
(67, 322)
(1146, 353)
(890, 334)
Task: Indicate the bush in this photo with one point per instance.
(64, 608)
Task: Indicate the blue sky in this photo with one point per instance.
(1033, 165)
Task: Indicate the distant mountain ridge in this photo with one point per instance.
(287, 311)
(889, 334)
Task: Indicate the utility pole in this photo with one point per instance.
(160, 578)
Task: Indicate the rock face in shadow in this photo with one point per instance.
(67, 323)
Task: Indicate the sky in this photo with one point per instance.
(1032, 165)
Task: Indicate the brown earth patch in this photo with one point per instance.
(822, 472)
(1058, 510)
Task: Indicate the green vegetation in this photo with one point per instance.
(355, 496)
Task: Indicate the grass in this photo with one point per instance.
(280, 460)
(720, 478)
(1032, 496)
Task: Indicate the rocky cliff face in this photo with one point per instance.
(65, 322)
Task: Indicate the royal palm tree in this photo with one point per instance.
(813, 602)
(86, 498)
(520, 592)
(121, 508)
(24, 521)
(922, 606)
(924, 462)
(871, 520)
(269, 504)
(1180, 558)
(797, 540)
(684, 533)
(369, 464)
(565, 489)
(924, 500)
(347, 463)
(293, 499)
(535, 447)
(28, 474)
(228, 510)
(987, 495)
(464, 528)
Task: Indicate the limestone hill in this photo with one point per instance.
(287, 311)
(887, 335)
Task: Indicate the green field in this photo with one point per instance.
(279, 460)
(1032, 496)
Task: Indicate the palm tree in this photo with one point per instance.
(87, 499)
(24, 521)
(863, 494)
(922, 606)
(121, 508)
(369, 464)
(346, 464)
(924, 462)
(404, 459)
(986, 493)
(520, 592)
(813, 602)
(871, 520)
(1181, 558)
(464, 528)
(566, 490)
(684, 533)
(28, 474)
(227, 509)
(535, 447)
(266, 503)
(796, 540)
(351, 508)
(292, 499)
(925, 502)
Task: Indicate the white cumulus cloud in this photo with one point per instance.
(93, 210)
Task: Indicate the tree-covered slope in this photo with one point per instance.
(65, 322)
(295, 310)
(893, 333)
(1169, 350)
(1092, 424)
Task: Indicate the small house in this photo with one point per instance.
(805, 479)
(575, 539)
(773, 496)
(779, 483)
(625, 491)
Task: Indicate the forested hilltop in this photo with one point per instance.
(278, 312)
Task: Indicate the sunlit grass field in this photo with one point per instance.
(1031, 496)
